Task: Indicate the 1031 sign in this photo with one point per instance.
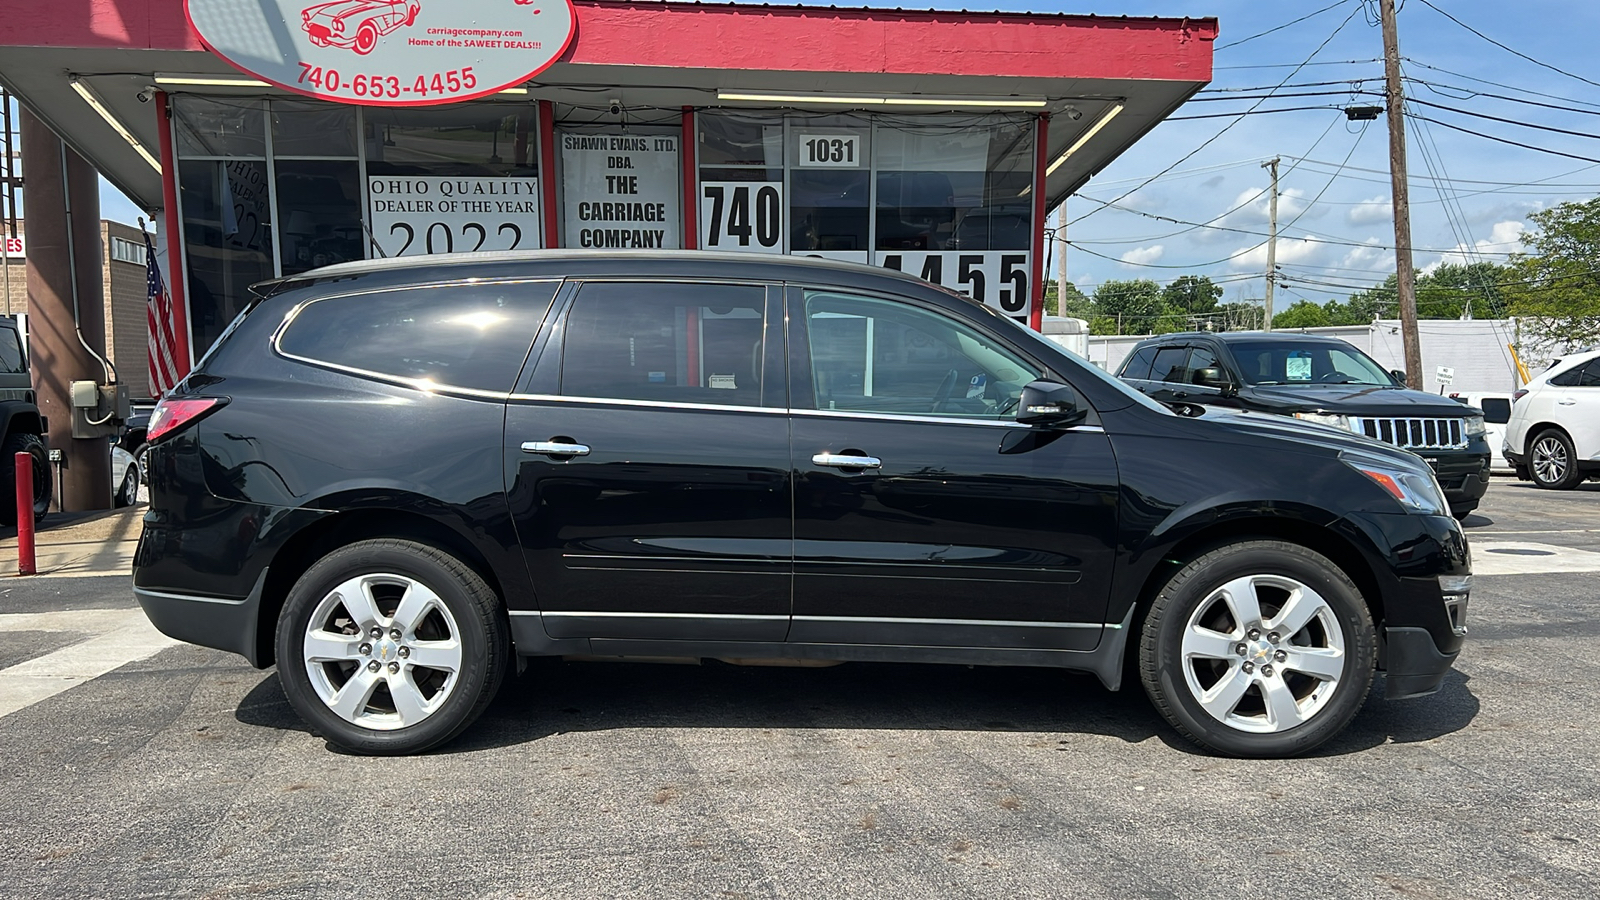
(996, 278)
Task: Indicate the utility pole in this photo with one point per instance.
(1405, 276)
(1272, 238)
(1061, 261)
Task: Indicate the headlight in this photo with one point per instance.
(1337, 421)
(1416, 489)
(338, 25)
(1474, 425)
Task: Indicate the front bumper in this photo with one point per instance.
(1463, 476)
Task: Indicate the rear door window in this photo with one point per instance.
(473, 336)
(669, 342)
(1170, 364)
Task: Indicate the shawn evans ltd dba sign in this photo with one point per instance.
(387, 52)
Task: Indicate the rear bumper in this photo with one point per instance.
(221, 623)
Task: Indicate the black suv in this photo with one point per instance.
(394, 477)
(1318, 379)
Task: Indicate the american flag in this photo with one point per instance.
(164, 367)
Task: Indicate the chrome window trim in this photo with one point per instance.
(772, 410)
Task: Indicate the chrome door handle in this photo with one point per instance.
(836, 461)
(1566, 402)
(555, 448)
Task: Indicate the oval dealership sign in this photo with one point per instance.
(387, 52)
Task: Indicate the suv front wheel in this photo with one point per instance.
(1258, 649)
(390, 647)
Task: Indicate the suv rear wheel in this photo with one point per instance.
(390, 647)
(31, 444)
(1550, 461)
(1259, 649)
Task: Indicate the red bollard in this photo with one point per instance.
(26, 565)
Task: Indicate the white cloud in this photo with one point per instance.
(1143, 256)
(1503, 238)
(1290, 251)
(1373, 257)
(1367, 212)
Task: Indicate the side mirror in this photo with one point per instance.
(1051, 405)
(1398, 376)
(1211, 376)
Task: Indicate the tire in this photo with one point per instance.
(128, 491)
(139, 458)
(406, 705)
(1292, 690)
(1551, 461)
(33, 445)
(366, 39)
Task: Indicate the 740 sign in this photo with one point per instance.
(996, 278)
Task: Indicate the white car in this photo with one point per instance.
(125, 475)
(1553, 438)
(1496, 408)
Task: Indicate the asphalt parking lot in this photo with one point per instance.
(183, 772)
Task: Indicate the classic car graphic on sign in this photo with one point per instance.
(356, 24)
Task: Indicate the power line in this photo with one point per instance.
(1582, 134)
(1502, 140)
(1334, 62)
(1281, 27)
(1224, 130)
(1508, 49)
(1442, 88)
(1241, 115)
(1509, 87)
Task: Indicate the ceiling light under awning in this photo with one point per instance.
(115, 123)
(1084, 138)
(841, 100)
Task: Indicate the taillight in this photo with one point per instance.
(170, 415)
(1519, 394)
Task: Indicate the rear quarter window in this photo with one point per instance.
(469, 336)
(1496, 410)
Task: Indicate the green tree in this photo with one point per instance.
(1075, 303)
(1127, 307)
(1556, 285)
(1192, 295)
(1302, 314)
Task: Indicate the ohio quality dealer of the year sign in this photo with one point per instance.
(387, 52)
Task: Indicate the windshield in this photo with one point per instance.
(1306, 362)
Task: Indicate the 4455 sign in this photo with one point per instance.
(387, 52)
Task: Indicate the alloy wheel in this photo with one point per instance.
(383, 651)
(1549, 460)
(1263, 653)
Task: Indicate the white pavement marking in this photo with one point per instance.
(1528, 558)
(121, 636)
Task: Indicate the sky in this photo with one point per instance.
(1470, 195)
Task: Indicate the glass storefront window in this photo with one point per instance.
(954, 185)
(319, 213)
(729, 139)
(484, 139)
(312, 128)
(219, 128)
(226, 239)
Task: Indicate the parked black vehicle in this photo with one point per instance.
(1318, 379)
(22, 427)
(393, 477)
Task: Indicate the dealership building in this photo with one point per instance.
(267, 137)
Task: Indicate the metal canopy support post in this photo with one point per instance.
(547, 170)
(176, 274)
(1040, 227)
(688, 145)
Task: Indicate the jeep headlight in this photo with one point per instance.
(1331, 419)
(1416, 489)
(1474, 425)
